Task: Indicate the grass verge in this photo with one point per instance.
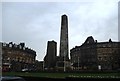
(63, 75)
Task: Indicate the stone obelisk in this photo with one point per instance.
(64, 39)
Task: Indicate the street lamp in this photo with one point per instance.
(78, 62)
(43, 65)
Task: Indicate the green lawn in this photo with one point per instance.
(63, 75)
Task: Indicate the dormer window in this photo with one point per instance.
(10, 45)
(23, 48)
(20, 47)
(4, 44)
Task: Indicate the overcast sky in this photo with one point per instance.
(36, 23)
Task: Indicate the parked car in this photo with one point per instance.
(12, 78)
(25, 69)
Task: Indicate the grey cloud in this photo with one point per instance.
(36, 23)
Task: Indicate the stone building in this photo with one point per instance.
(50, 58)
(17, 57)
(108, 54)
(39, 66)
(93, 55)
(84, 57)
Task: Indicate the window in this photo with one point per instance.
(23, 48)
(20, 46)
(87, 41)
(15, 46)
(99, 58)
(10, 45)
(105, 58)
(4, 44)
(8, 58)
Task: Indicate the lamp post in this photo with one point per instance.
(43, 65)
(78, 62)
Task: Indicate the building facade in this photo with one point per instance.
(50, 58)
(93, 55)
(39, 66)
(108, 55)
(17, 57)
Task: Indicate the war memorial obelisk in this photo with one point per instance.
(63, 61)
(64, 39)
